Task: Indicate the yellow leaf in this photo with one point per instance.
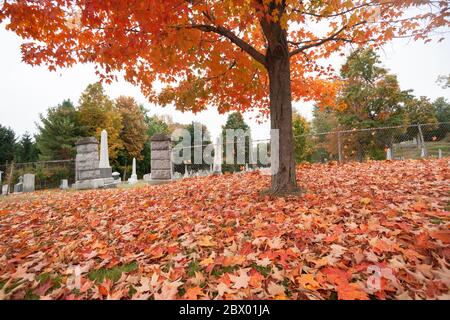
(206, 241)
(308, 281)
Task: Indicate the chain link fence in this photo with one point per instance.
(48, 174)
(392, 143)
(383, 143)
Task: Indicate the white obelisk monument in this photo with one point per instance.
(133, 179)
(105, 168)
(217, 169)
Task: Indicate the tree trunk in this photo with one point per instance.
(278, 66)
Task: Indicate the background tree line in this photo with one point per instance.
(129, 127)
(368, 96)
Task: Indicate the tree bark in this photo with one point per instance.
(278, 67)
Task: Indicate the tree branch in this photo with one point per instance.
(318, 42)
(255, 54)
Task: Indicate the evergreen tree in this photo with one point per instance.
(7, 144)
(58, 132)
(235, 122)
(26, 150)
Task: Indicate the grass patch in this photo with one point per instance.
(217, 271)
(193, 267)
(265, 271)
(112, 274)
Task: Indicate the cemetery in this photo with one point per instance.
(225, 150)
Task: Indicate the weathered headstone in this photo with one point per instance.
(28, 182)
(147, 177)
(64, 184)
(423, 152)
(439, 154)
(133, 179)
(389, 154)
(116, 176)
(161, 162)
(177, 175)
(105, 168)
(87, 164)
(5, 189)
(18, 187)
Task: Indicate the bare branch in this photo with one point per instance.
(318, 42)
(255, 54)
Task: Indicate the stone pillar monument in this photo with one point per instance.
(87, 164)
(133, 179)
(161, 162)
(105, 168)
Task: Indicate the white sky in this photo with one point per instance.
(26, 91)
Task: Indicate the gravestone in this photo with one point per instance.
(64, 184)
(87, 165)
(28, 182)
(389, 154)
(105, 168)
(116, 176)
(177, 175)
(161, 162)
(5, 189)
(147, 177)
(440, 154)
(1, 176)
(18, 187)
(423, 152)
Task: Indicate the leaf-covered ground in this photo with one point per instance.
(358, 228)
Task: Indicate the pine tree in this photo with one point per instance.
(26, 150)
(7, 144)
(236, 123)
(58, 132)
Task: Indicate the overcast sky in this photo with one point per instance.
(26, 91)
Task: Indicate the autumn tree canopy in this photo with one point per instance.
(233, 55)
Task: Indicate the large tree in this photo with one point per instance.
(234, 55)
(58, 131)
(97, 112)
(133, 134)
(369, 97)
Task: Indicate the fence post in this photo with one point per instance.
(10, 176)
(339, 147)
(423, 149)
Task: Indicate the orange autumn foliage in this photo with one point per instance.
(211, 52)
